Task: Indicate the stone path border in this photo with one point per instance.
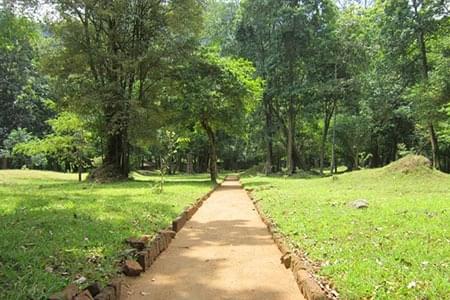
(224, 252)
(311, 287)
(147, 252)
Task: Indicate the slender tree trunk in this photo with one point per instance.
(326, 126)
(268, 169)
(333, 111)
(423, 56)
(434, 146)
(189, 164)
(333, 144)
(322, 150)
(125, 168)
(212, 151)
(213, 161)
(297, 160)
(269, 134)
(179, 163)
(291, 140)
(80, 173)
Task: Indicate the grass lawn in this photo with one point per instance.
(54, 229)
(398, 248)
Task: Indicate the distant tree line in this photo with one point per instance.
(198, 86)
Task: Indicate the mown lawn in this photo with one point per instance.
(398, 248)
(54, 229)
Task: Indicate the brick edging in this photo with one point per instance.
(293, 259)
(147, 251)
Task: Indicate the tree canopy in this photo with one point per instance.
(284, 86)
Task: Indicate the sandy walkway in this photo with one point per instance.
(223, 252)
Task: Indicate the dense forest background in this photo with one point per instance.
(196, 86)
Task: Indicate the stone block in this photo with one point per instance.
(132, 268)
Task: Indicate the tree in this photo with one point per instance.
(282, 39)
(216, 93)
(219, 25)
(255, 39)
(15, 137)
(408, 26)
(70, 143)
(23, 90)
(115, 58)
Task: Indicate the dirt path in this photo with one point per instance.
(223, 252)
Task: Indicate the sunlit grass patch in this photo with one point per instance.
(398, 248)
(54, 229)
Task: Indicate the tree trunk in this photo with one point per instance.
(297, 160)
(190, 164)
(212, 151)
(333, 144)
(269, 134)
(213, 164)
(290, 141)
(326, 126)
(434, 146)
(423, 56)
(4, 163)
(333, 111)
(322, 151)
(179, 163)
(116, 155)
(80, 173)
(300, 161)
(268, 168)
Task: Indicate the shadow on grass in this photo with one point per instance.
(43, 249)
(70, 186)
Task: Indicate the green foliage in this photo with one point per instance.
(219, 25)
(169, 144)
(219, 90)
(216, 94)
(113, 63)
(23, 90)
(70, 142)
(15, 137)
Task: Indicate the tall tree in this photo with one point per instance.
(23, 91)
(255, 34)
(408, 28)
(117, 53)
(216, 94)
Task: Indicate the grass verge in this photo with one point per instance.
(54, 229)
(398, 248)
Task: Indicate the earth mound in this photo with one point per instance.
(106, 174)
(410, 164)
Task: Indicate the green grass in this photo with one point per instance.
(401, 239)
(49, 220)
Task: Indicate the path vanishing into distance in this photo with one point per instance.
(223, 252)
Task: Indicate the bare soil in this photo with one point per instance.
(223, 252)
